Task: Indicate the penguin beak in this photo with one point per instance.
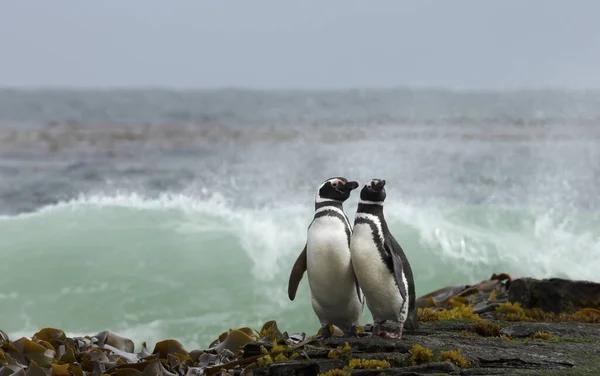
(378, 185)
(350, 186)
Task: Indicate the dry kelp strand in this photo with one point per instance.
(51, 352)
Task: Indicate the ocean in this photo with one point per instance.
(159, 214)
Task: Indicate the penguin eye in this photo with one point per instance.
(334, 184)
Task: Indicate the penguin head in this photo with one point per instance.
(373, 191)
(336, 188)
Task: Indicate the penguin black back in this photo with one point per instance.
(372, 197)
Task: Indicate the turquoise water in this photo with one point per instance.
(185, 228)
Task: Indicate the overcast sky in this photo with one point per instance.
(300, 44)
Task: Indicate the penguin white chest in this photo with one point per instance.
(330, 275)
(327, 250)
(375, 279)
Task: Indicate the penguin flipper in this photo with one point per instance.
(358, 291)
(297, 274)
(412, 321)
(398, 267)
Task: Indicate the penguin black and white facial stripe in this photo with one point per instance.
(382, 270)
(336, 297)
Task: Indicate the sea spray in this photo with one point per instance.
(153, 227)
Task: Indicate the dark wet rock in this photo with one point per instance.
(434, 368)
(571, 347)
(555, 295)
(293, 368)
(440, 296)
(424, 369)
(484, 296)
(300, 367)
(485, 307)
(370, 344)
(573, 331)
(483, 371)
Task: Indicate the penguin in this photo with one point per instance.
(380, 265)
(335, 294)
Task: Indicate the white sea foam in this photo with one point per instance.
(543, 243)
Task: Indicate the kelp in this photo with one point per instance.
(51, 352)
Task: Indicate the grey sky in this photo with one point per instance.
(301, 44)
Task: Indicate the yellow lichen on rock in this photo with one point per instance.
(542, 335)
(456, 301)
(358, 363)
(454, 356)
(427, 314)
(419, 355)
(334, 372)
(591, 315)
(536, 314)
(512, 312)
(459, 312)
(486, 329)
(335, 353)
(345, 348)
(280, 358)
(264, 360)
(277, 347)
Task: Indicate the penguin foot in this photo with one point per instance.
(393, 335)
(326, 332)
(376, 331)
(353, 332)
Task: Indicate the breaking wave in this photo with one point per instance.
(181, 266)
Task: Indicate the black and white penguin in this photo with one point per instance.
(335, 294)
(381, 267)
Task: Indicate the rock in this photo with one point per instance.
(303, 368)
(370, 344)
(485, 296)
(294, 368)
(555, 295)
(437, 368)
(451, 339)
(438, 296)
(569, 348)
(484, 307)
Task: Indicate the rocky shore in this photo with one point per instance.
(501, 326)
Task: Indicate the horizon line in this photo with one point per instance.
(416, 88)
